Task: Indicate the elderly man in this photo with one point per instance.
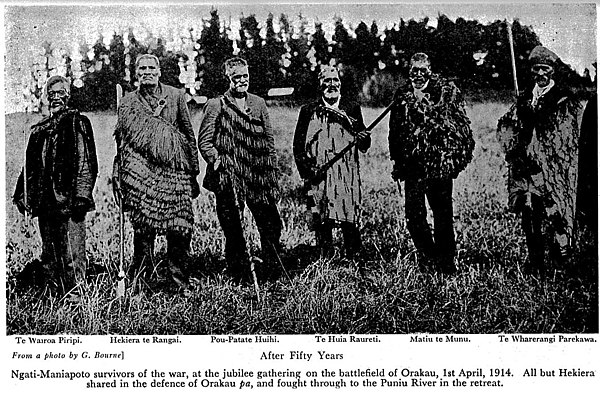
(540, 135)
(60, 172)
(236, 140)
(431, 142)
(325, 127)
(155, 169)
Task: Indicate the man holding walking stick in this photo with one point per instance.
(155, 170)
(56, 187)
(236, 140)
(540, 135)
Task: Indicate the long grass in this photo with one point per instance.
(383, 293)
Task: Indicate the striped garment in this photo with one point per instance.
(246, 153)
(155, 165)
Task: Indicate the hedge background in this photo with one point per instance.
(373, 61)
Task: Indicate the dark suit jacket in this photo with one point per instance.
(61, 165)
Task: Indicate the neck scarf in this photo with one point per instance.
(538, 92)
(420, 93)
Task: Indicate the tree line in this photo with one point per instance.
(373, 61)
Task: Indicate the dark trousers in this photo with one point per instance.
(441, 247)
(268, 222)
(542, 247)
(531, 221)
(63, 247)
(350, 233)
(178, 246)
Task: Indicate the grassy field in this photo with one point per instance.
(489, 294)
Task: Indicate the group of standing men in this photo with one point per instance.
(156, 167)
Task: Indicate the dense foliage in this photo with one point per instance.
(287, 54)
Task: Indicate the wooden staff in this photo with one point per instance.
(512, 57)
(121, 277)
(320, 174)
(26, 211)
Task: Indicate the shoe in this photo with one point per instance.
(31, 275)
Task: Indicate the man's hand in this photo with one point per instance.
(316, 175)
(115, 181)
(217, 164)
(362, 136)
(79, 208)
(116, 188)
(195, 187)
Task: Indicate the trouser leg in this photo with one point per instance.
(268, 221)
(50, 232)
(352, 240)
(76, 248)
(531, 222)
(143, 252)
(416, 219)
(178, 247)
(229, 213)
(324, 235)
(439, 195)
(63, 249)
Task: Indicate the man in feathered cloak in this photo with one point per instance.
(431, 142)
(323, 129)
(155, 169)
(236, 140)
(540, 136)
(61, 169)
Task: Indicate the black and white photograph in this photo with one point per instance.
(259, 170)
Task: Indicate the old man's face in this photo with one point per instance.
(420, 73)
(542, 74)
(331, 85)
(58, 96)
(239, 79)
(148, 72)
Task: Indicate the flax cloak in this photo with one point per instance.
(541, 147)
(320, 134)
(245, 148)
(155, 163)
(432, 138)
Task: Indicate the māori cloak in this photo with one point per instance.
(541, 146)
(156, 161)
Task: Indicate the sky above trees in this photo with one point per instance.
(567, 29)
